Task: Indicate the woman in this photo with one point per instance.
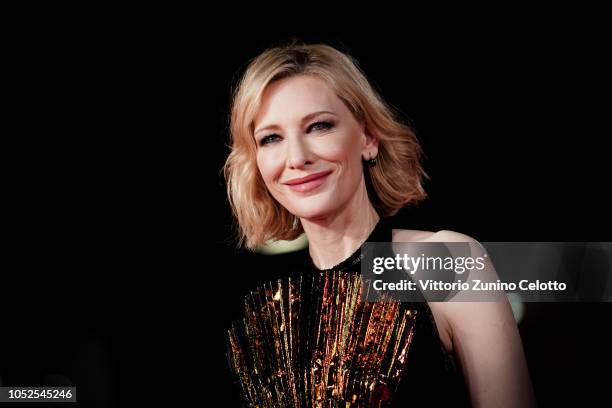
(316, 150)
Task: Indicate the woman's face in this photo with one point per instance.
(310, 147)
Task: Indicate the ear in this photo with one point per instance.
(370, 145)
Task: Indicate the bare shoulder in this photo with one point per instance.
(405, 235)
(446, 314)
(448, 309)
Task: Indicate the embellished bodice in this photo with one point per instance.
(308, 340)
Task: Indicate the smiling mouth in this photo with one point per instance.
(308, 183)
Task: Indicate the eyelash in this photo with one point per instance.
(269, 138)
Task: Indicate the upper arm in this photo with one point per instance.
(488, 347)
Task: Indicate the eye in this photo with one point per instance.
(317, 126)
(269, 139)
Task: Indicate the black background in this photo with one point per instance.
(117, 272)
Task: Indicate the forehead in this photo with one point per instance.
(292, 98)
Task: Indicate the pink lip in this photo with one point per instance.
(308, 183)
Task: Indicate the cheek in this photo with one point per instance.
(347, 139)
(331, 148)
(268, 165)
(344, 150)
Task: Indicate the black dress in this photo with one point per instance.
(306, 340)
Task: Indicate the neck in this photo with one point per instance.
(335, 237)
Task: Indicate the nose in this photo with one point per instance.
(298, 154)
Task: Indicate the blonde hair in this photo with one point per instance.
(394, 182)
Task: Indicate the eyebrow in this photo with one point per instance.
(304, 119)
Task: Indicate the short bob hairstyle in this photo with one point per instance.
(394, 182)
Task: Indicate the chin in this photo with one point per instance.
(313, 209)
